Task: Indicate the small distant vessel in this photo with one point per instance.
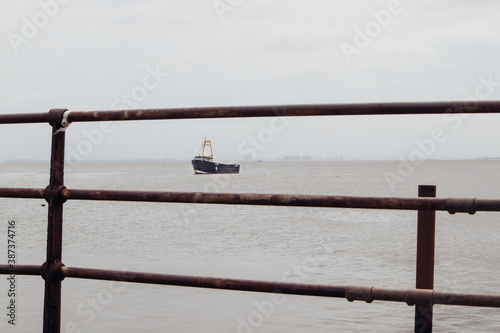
(203, 161)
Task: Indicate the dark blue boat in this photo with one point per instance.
(203, 161)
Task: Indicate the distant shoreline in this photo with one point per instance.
(479, 159)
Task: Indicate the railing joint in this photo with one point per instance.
(461, 205)
(53, 272)
(58, 119)
(355, 293)
(419, 296)
(55, 194)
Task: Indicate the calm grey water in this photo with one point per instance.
(310, 245)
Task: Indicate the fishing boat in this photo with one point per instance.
(203, 162)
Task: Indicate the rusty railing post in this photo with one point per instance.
(426, 232)
(51, 268)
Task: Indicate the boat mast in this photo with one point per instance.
(207, 145)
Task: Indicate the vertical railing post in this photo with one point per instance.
(51, 272)
(426, 234)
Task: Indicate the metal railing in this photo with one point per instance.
(53, 271)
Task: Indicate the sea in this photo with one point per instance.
(332, 246)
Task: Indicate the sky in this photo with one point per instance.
(104, 55)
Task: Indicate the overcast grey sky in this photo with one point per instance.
(102, 55)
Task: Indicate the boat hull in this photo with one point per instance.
(201, 166)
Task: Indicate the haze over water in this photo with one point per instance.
(307, 245)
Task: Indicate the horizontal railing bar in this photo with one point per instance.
(452, 205)
(458, 205)
(423, 296)
(24, 118)
(268, 111)
(204, 282)
(29, 193)
(352, 293)
(260, 199)
(466, 299)
(289, 111)
(410, 296)
(21, 270)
